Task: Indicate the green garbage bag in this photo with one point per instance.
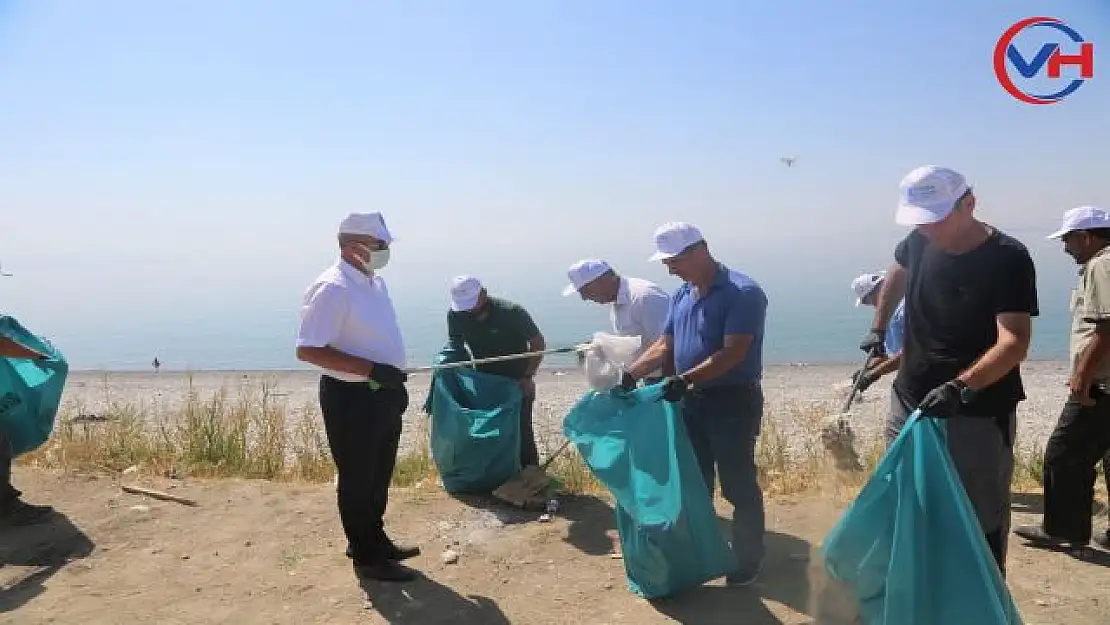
(475, 425)
(637, 446)
(30, 390)
(910, 547)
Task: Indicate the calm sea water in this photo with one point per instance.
(811, 324)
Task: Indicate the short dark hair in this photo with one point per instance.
(1100, 233)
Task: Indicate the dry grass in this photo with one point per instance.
(257, 435)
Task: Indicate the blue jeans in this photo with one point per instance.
(723, 424)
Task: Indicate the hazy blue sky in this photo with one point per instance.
(188, 162)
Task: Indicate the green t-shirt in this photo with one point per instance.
(507, 330)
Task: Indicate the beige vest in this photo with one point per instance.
(1090, 302)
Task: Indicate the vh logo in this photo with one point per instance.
(1049, 59)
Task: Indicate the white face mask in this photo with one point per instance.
(378, 259)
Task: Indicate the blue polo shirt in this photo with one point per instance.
(734, 304)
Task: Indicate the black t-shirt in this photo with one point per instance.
(951, 307)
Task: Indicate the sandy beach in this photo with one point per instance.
(794, 393)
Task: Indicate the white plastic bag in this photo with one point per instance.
(606, 359)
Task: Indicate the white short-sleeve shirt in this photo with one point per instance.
(352, 312)
(640, 310)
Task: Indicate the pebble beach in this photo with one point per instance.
(796, 397)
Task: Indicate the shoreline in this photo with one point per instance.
(796, 397)
(543, 367)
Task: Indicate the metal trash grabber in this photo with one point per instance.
(482, 361)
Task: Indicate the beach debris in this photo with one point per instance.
(836, 432)
(131, 469)
(157, 494)
(615, 538)
(449, 557)
(91, 418)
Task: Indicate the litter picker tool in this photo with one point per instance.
(481, 361)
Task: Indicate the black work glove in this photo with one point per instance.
(863, 379)
(941, 402)
(388, 376)
(628, 383)
(674, 388)
(872, 343)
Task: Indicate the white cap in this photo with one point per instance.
(366, 224)
(464, 292)
(584, 272)
(865, 284)
(928, 194)
(672, 238)
(1082, 218)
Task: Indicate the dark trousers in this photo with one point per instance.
(1081, 439)
(529, 454)
(723, 425)
(1106, 477)
(364, 430)
(8, 493)
(981, 447)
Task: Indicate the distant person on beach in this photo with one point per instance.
(866, 288)
(970, 295)
(492, 326)
(349, 329)
(637, 307)
(156, 364)
(1082, 434)
(13, 510)
(713, 343)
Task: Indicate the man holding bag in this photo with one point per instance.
(713, 343)
(13, 510)
(970, 293)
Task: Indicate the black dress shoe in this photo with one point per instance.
(396, 553)
(400, 552)
(387, 571)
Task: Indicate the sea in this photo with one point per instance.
(811, 324)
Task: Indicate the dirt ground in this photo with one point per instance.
(258, 552)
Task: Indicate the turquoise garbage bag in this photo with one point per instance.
(475, 425)
(910, 547)
(30, 390)
(636, 444)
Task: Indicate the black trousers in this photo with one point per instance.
(8, 493)
(364, 430)
(529, 454)
(1081, 439)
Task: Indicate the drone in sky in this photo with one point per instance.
(788, 160)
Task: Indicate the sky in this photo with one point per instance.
(185, 164)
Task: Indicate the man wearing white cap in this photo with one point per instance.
(713, 341)
(349, 329)
(492, 326)
(637, 307)
(1082, 434)
(970, 295)
(866, 288)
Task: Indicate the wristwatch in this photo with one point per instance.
(967, 394)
